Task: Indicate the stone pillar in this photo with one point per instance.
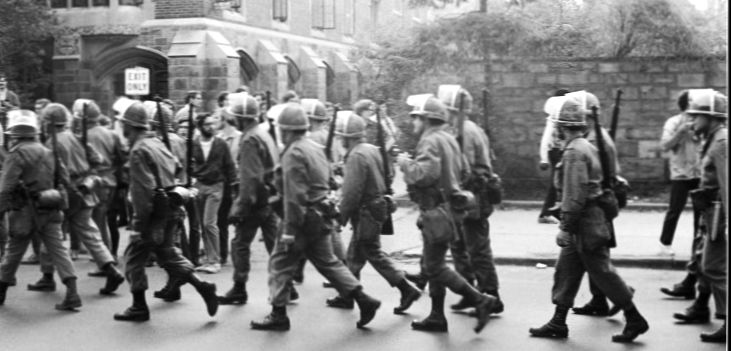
(313, 74)
(272, 69)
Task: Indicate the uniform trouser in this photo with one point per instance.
(47, 226)
(194, 230)
(365, 246)
(570, 268)
(99, 214)
(285, 259)
(3, 236)
(223, 210)
(338, 249)
(117, 208)
(472, 254)
(268, 221)
(713, 268)
(209, 200)
(440, 276)
(679, 190)
(167, 256)
(80, 222)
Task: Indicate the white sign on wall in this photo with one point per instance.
(137, 81)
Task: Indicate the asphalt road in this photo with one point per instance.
(29, 322)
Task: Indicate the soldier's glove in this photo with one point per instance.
(563, 239)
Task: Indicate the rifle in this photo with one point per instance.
(331, 134)
(56, 163)
(272, 131)
(615, 115)
(84, 135)
(387, 228)
(607, 200)
(189, 148)
(161, 120)
(460, 122)
(485, 94)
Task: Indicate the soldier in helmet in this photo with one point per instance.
(82, 200)
(363, 205)
(471, 249)
(307, 226)
(367, 110)
(434, 176)
(152, 172)
(708, 110)
(33, 204)
(584, 231)
(250, 211)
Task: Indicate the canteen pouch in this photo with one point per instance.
(437, 225)
(608, 203)
(592, 231)
(319, 219)
(378, 208)
(494, 191)
(51, 199)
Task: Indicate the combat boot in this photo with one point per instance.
(46, 283)
(697, 313)
(114, 279)
(597, 306)
(555, 328)
(72, 301)
(236, 296)
(293, 294)
(684, 289)
(435, 322)
(719, 336)
(208, 293)
(340, 302)
(138, 312)
(367, 306)
(464, 303)
(418, 279)
(484, 309)
(3, 292)
(409, 295)
(615, 308)
(171, 291)
(636, 325)
(277, 320)
(499, 306)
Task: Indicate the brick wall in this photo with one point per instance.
(519, 89)
(181, 8)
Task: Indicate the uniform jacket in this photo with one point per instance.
(73, 156)
(363, 181)
(320, 137)
(714, 171)
(580, 176)
(179, 148)
(437, 165)
(305, 173)
(609, 147)
(683, 148)
(147, 158)
(258, 157)
(219, 165)
(111, 152)
(476, 148)
(31, 163)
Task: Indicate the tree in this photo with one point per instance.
(26, 27)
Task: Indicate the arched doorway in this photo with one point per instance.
(293, 73)
(248, 68)
(109, 73)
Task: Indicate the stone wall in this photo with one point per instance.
(519, 88)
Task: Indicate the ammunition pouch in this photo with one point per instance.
(462, 201)
(494, 191)
(703, 198)
(51, 199)
(87, 184)
(378, 208)
(608, 203)
(320, 218)
(178, 196)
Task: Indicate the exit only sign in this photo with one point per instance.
(137, 81)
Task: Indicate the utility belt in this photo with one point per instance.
(320, 218)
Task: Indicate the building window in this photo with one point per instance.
(249, 68)
(59, 4)
(323, 14)
(131, 2)
(99, 2)
(79, 3)
(349, 17)
(280, 10)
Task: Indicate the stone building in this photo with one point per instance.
(218, 45)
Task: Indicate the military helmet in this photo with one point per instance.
(151, 110)
(92, 109)
(136, 116)
(242, 105)
(56, 114)
(587, 99)
(430, 107)
(351, 126)
(293, 117)
(22, 124)
(707, 102)
(314, 109)
(453, 96)
(363, 105)
(572, 112)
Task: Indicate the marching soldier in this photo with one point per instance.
(363, 204)
(152, 172)
(471, 250)
(584, 231)
(307, 226)
(33, 205)
(433, 177)
(708, 109)
(257, 158)
(82, 200)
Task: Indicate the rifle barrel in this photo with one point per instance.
(331, 134)
(189, 148)
(615, 115)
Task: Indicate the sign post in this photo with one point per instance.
(137, 81)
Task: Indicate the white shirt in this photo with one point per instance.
(206, 147)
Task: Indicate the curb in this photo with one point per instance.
(628, 262)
